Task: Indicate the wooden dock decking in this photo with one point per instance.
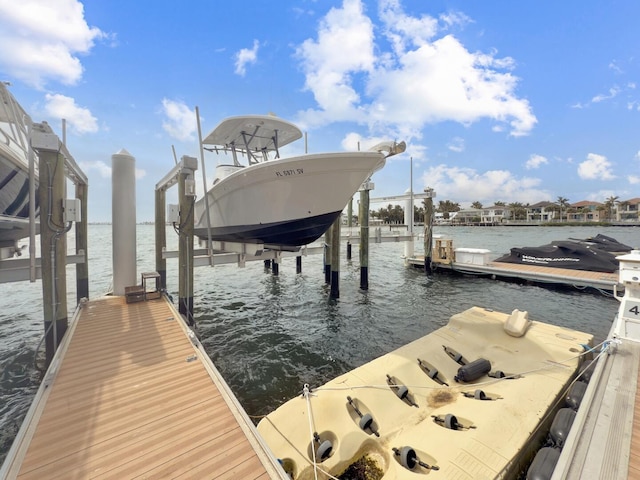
(533, 273)
(135, 396)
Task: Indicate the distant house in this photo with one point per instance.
(466, 216)
(627, 210)
(542, 212)
(586, 211)
(495, 214)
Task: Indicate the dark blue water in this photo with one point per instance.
(268, 335)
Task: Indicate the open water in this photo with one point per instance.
(268, 335)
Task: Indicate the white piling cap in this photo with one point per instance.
(123, 153)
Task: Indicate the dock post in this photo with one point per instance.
(328, 235)
(428, 229)
(363, 216)
(348, 250)
(299, 264)
(275, 264)
(53, 243)
(409, 249)
(82, 269)
(123, 213)
(186, 198)
(335, 259)
(161, 234)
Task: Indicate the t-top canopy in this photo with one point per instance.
(254, 133)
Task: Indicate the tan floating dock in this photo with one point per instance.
(532, 273)
(132, 394)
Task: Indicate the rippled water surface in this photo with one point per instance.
(268, 335)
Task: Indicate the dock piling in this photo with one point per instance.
(363, 215)
(428, 229)
(123, 212)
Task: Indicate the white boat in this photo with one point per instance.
(280, 202)
(471, 400)
(14, 172)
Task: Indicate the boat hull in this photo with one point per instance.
(14, 202)
(496, 435)
(288, 202)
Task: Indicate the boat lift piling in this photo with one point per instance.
(82, 240)
(363, 215)
(161, 235)
(56, 216)
(328, 236)
(335, 259)
(184, 175)
(52, 241)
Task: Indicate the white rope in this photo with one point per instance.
(604, 347)
(307, 393)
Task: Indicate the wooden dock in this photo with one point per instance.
(604, 441)
(132, 394)
(530, 273)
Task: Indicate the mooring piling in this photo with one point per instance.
(123, 214)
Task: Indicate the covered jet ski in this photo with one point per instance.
(564, 254)
(608, 244)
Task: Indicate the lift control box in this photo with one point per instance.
(72, 210)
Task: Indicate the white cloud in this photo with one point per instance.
(344, 48)
(246, 56)
(613, 92)
(78, 118)
(40, 40)
(104, 170)
(419, 79)
(181, 121)
(633, 179)
(456, 145)
(466, 185)
(535, 161)
(596, 167)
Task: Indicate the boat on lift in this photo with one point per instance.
(14, 173)
(283, 203)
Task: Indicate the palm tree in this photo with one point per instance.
(519, 211)
(562, 202)
(500, 203)
(446, 207)
(477, 205)
(609, 204)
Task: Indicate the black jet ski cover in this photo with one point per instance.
(563, 254)
(608, 244)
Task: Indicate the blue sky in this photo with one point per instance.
(517, 101)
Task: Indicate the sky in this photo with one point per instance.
(512, 101)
